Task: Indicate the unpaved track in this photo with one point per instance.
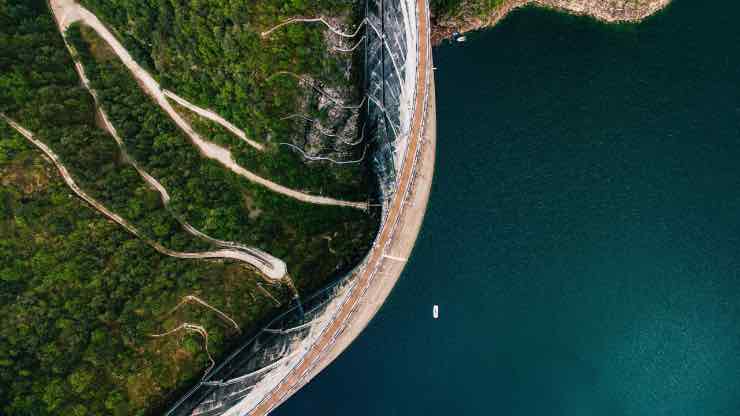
(269, 265)
(213, 116)
(68, 12)
(612, 11)
(328, 25)
(216, 254)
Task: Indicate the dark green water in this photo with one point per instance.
(583, 235)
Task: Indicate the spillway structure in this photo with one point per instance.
(244, 382)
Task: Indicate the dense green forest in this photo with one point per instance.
(211, 197)
(79, 296)
(211, 53)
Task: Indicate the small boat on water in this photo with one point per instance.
(435, 311)
(458, 37)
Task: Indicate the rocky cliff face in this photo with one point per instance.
(605, 10)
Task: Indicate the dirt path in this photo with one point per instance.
(210, 115)
(263, 264)
(605, 11)
(68, 12)
(272, 267)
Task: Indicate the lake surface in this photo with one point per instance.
(583, 234)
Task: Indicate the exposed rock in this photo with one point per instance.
(604, 10)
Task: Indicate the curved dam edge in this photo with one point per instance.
(401, 246)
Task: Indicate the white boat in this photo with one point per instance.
(435, 311)
(461, 39)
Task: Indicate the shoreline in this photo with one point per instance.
(444, 28)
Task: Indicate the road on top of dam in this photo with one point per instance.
(317, 353)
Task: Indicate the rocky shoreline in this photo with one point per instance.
(604, 10)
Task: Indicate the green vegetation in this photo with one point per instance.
(444, 7)
(211, 197)
(212, 54)
(452, 8)
(79, 296)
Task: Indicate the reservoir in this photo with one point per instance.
(583, 232)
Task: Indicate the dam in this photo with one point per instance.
(588, 190)
(400, 121)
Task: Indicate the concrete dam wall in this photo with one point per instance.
(390, 52)
(391, 59)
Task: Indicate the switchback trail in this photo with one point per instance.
(269, 265)
(393, 230)
(68, 12)
(213, 116)
(232, 254)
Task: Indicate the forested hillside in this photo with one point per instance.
(451, 16)
(80, 296)
(211, 53)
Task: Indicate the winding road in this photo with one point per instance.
(271, 271)
(269, 265)
(67, 12)
(210, 115)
